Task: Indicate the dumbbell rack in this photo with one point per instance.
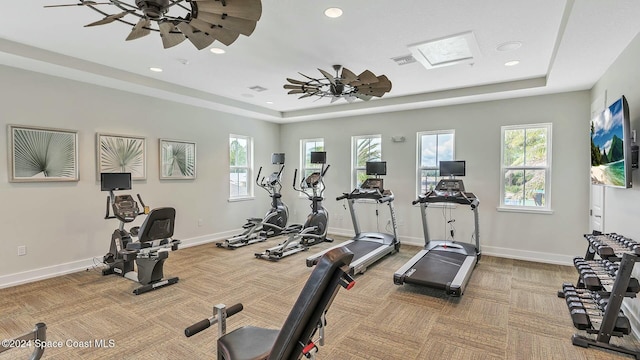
(595, 301)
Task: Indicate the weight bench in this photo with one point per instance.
(295, 338)
(35, 338)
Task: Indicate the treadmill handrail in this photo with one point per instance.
(465, 198)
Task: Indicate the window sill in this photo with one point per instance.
(243, 198)
(524, 210)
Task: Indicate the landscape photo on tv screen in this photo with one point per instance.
(608, 149)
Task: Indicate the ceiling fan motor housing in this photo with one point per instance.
(153, 9)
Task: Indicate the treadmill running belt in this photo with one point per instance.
(436, 269)
(360, 248)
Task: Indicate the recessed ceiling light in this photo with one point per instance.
(217, 51)
(269, 102)
(333, 12)
(155, 69)
(508, 46)
(512, 63)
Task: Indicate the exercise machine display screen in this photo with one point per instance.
(277, 158)
(115, 181)
(452, 168)
(318, 157)
(376, 168)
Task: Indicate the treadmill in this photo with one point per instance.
(367, 247)
(443, 264)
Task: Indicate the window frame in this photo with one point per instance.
(354, 156)
(248, 167)
(419, 167)
(546, 208)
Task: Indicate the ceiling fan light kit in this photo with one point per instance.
(346, 85)
(200, 21)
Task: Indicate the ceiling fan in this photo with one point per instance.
(345, 85)
(200, 21)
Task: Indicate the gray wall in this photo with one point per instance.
(621, 209)
(552, 238)
(62, 224)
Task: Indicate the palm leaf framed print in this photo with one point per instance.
(42, 154)
(122, 154)
(177, 159)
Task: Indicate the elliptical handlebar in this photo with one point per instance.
(271, 188)
(320, 181)
(258, 178)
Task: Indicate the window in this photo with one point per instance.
(308, 146)
(240, 166)
(433, 147)
(364, 148)
(526, 167)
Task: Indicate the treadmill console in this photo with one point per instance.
(373, 184)
(451, 186)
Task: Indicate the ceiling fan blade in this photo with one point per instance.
(81, 3)
(294, 81)
(108, 19)
(371, 92)
(366, 77)
(287, 86)
(350, 98)
(140, 29)
(296, 92)
(310, 78)
(242, 26)
(225, 36)
(362, 96)
(348, 76)
(199, 39)
(329, 77)
(306, 95)
(169, 34)
(245, 9)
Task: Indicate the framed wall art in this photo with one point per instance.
(42, 154)
(177, 159)
(121, 154)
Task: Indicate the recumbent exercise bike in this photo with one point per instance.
(153, 237)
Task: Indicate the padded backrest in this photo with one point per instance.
(158, 225)
(315, 297)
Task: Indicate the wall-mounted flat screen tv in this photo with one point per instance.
(611, 146)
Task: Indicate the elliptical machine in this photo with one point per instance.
(154, 237)
(274, 222)
(314, 230)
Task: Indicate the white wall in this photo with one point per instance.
(621, 209)
(62, 224)
(555, 238)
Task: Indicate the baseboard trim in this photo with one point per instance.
(48, 272)
(536, 256)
